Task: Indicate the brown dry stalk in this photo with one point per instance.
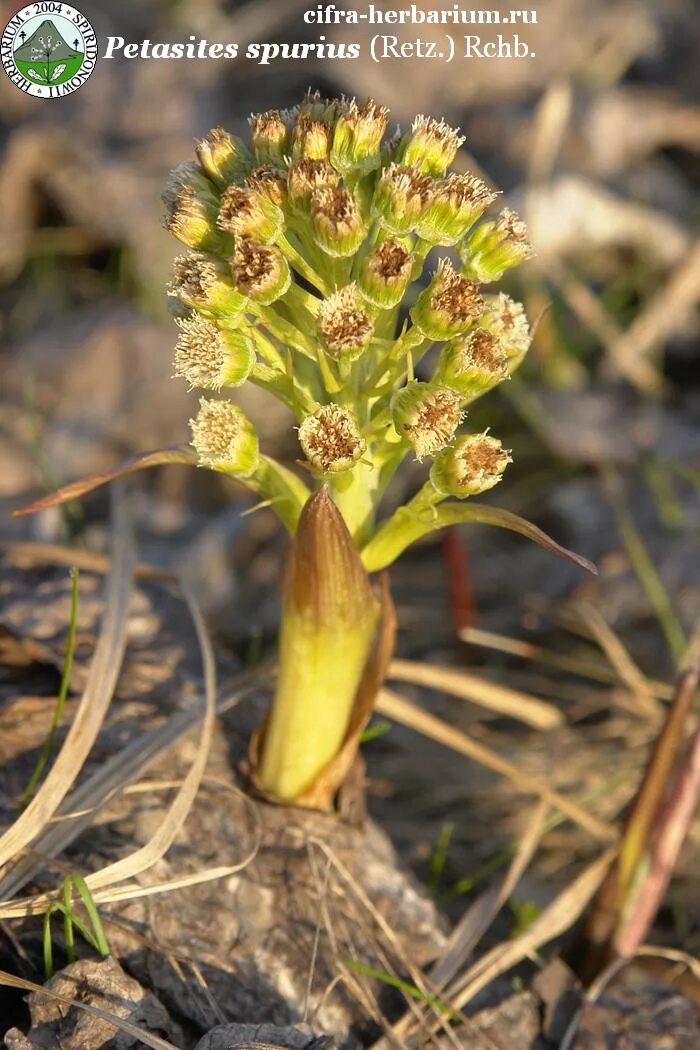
(478, 690)
(402, 710)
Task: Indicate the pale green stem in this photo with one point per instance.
(354, 493)
(404, 527)
(302, 267)
(282, 329)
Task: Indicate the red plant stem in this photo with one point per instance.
(459, 582)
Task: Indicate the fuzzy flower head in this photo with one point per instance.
(304, 177)
(248, 212)
(428, 418)
(316, 269)
(474, 464)
(495, 247)
(454, 205)
(224, 438)
(357, 137)
(401, 197)
(190, 208)
(448, 306)
(431, 145)
(344, 327)
(385, 273)
(331, 439)
(337, 221)
(506, 320)
(269, 137)
(210, 357)
(260, 272)
(202, 282)
(223, 157)
(474, 364)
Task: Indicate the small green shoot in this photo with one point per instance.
(62, 694)
(439, 857)
(403, 986)
(374, 731)
(524, 914)
(94, 936)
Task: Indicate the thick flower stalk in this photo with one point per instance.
(306, 273)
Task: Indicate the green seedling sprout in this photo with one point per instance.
(46, 750)
(93, 935)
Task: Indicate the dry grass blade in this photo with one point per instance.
(149, 854)
(144, 1038)
(116, 774)
(479, 916)
(591, 312)
(101, 680)
(618, 656)
(402, 710)
(578, 665)
(558, 917)
(91, 561)
(417, 976)
(495, 697)
(552, 118)
(644, 567)
(664, 315)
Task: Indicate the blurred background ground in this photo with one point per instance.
(598, 144)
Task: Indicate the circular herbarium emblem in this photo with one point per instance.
(48, 49)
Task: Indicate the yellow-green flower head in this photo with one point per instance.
(505, 318)
(385, 273)
(337, 223)
(310, 138)
(331, 439)
(270, 181)
(190, 208)
(494, 247)
(304, 177)
(247, 212)
(357, 138)
(225, 158)
(260, 271)
(454, 206)
(211, 357)
(202, 282)
(474, 364)
(316, 107)
(344, 327)
(224, 438)
(269, 137)
(474, 464)
(400, 198)
(448, 306)
(431, 146)
(426, 416)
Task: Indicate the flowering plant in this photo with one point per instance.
(304, 274)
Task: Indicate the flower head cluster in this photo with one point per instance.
(303, 245)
